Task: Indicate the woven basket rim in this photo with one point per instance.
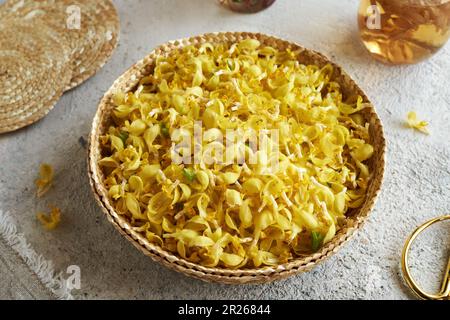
(248, 275)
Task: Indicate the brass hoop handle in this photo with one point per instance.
(444, 294)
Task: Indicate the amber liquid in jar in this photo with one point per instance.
(404, 31)
(247, 6)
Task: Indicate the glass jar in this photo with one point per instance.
(404, 31)
(247, 6)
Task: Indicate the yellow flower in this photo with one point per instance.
(52, 220)
(417, 124)
(45, 180)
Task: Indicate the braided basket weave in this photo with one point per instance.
(128, 82)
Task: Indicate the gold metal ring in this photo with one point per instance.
(444, 294)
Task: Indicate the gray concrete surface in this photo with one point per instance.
(417, 185)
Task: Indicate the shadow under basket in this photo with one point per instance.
(128, 82)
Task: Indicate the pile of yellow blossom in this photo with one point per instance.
(237, 213)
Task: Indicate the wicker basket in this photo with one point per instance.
(128, 82)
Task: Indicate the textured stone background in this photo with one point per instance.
(417, 185)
